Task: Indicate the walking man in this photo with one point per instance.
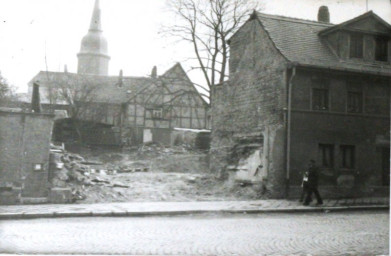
(304, 186)
(313, 176)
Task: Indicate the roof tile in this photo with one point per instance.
(298, 41)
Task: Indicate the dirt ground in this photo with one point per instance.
(149, 173)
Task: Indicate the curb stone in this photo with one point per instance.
(25, 215)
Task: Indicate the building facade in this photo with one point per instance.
(118, 110)
(301, 90)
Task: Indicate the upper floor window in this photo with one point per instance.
(157, 113)
(356, 46)
(320, 94)
(354, 98)
(320, 99)
(354, 102)
(381, 48)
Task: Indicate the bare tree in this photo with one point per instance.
(207, 25)
(7, 92)
(77, 92)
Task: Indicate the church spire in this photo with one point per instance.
(93, 56)
(95, 19)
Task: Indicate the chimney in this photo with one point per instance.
(65, 69)
(120, 78)
(35, 101)
(154, 72)
(323, 14)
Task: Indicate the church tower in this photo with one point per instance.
(93, 57)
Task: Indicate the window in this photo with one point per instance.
(157, 113)
(381, 48)
(356, 45)
(354, 97)
(348, 156)
(320, 93)
(354, 102)
(320, 99)
(326, 152)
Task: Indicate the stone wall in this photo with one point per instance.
(251, 105)
(24, 152)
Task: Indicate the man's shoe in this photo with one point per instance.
(319, 204)
(306, 204)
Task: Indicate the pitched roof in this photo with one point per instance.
(113, 89)
(108, 90)
(178, 71)
(299, 41)
(358, 18)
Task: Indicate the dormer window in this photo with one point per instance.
(381, 48)
(356, 46)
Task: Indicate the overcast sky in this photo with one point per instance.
(33, 29)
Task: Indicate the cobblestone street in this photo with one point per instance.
(264, 234)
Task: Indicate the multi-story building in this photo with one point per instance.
(301, 90)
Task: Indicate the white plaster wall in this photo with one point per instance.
(147, 137)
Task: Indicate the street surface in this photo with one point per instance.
(349, 233)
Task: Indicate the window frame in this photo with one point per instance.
(322, 148)
(355, 87)
(355, 38)
(343, 150)
(319, 85)
(355, 109)
(384, 40)
(157, 113)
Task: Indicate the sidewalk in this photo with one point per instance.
(185, 208)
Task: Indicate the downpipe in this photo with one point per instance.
(288, 135)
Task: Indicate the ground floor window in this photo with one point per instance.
(326, 152)
(348, 156)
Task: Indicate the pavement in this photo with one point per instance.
(139, 209)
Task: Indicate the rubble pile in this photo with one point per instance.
(150, 173)
(159, 149)
(73, 171)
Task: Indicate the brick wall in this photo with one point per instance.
(25, 141)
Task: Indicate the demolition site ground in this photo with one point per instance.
(147, 173)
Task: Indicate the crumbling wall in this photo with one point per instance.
(250, 104)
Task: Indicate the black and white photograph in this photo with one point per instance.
(195, 127)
